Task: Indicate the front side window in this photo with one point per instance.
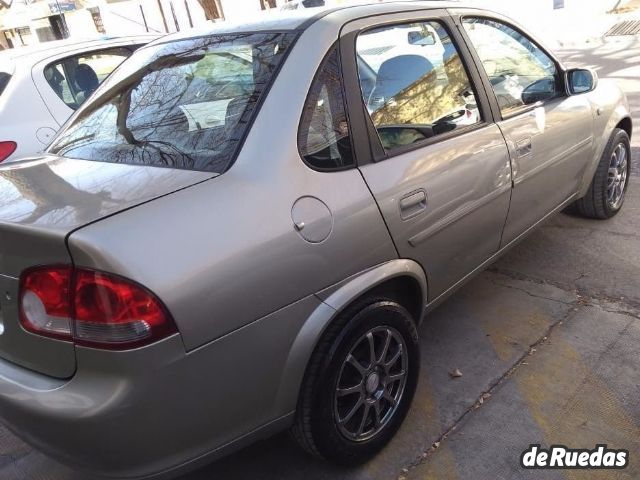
(414, 83)
(323, 138)
(519, 71)
(182, 104)
(75, 78)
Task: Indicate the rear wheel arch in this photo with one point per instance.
(404, 289)
(401, 280)
(401, 295)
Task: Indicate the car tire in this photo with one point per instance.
(608, 188)
(328, 424)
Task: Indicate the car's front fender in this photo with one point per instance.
(610, 107)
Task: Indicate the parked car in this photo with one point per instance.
(42, 85)
(175, 288)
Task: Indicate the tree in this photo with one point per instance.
(212, 9)
(265, 4)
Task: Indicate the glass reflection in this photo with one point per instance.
(184, 104)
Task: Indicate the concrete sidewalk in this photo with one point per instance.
(578, 387)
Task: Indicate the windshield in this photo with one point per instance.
(184, 104)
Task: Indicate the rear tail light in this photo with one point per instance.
(91, 308)
(6, 149)
(44, 301)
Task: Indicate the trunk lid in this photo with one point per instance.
(41, 202)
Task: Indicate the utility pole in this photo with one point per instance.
(212, 9)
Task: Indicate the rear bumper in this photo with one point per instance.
(158, 411)
(103, 422)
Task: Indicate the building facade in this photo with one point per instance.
(27, 22)
(32, 21)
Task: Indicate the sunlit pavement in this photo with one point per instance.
(547, 341)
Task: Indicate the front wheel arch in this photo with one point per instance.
(596, 203)
(626, 124)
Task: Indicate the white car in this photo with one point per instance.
(41, 86)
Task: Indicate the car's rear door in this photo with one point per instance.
(439, 169)
(549, 133)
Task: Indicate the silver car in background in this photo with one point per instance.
(242, 230)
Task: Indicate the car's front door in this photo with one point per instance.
(440, 169)
(550, 134)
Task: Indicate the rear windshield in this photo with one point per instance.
(4, 81)
(184, 104)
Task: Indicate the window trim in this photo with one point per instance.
(60, 60)
(524, 109)
(377, 152)
(334, 47)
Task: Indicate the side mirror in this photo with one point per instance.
(539, 90)
(581, 80)
(421, 38)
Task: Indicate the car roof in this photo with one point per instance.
(300, 19)
(35, 53)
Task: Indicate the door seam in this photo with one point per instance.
(384, 220)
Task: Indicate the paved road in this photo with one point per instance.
(549, 339)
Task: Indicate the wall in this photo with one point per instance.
(236, 10)
(124, 17)
(80, 24)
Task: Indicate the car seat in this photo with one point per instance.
(395, 75)
(86, 80)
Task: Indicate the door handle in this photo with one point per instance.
(413, 204)
(523, 147)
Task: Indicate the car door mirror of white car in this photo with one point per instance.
(581, 80)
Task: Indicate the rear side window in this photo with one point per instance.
(75, 78)
(181, 104)
(4, 81)
(323, 137)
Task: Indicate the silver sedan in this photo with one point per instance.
(241, 230)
